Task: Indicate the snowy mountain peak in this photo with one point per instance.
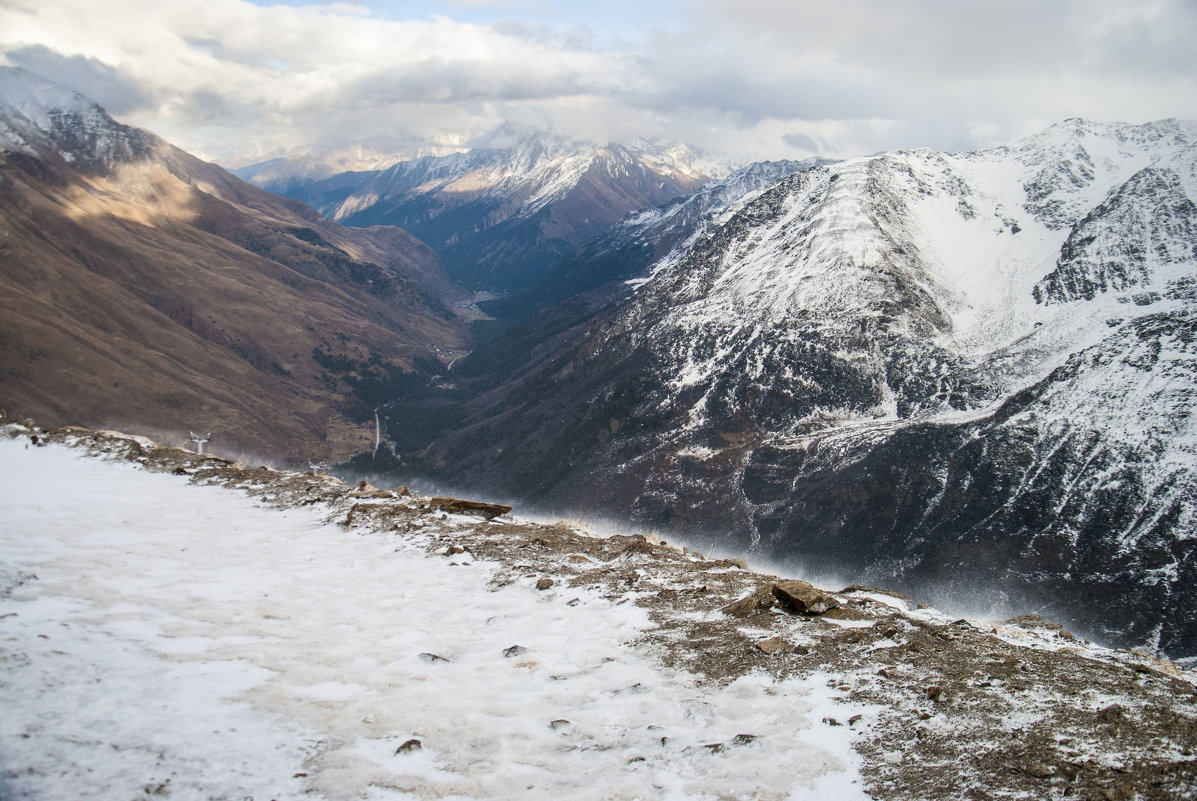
(36, 99)
(41, 118)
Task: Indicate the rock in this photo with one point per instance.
(409, 746)
(803, 598)
(771, 646)
(432, 658)
(462, 507)
(743, 739)
(832, 722)
(935, 694)
(453, 550)
(1123, 792)
(559, 723)
(760, 601)
(514, 651)
(1038, 770)
(852, 721)
(715, 748)
(637, 545)
(1111, 714)
(544, 583)
(1033, 621)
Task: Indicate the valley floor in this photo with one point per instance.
(165, 632)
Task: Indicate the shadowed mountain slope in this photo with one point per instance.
(145, 288)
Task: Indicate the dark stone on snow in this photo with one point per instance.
(803, 598)
(462, 507)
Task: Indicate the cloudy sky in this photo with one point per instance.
(237, 81)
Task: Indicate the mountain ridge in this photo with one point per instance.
(504, 213)
(829, 350)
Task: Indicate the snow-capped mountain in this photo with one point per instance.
(310, 164)
(505, 212)
(41, 118)
(142, 285)
(966, 373)
(630, 246)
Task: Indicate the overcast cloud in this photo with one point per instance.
(235, 81)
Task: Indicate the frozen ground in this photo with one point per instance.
(175, 625)
(159, 638)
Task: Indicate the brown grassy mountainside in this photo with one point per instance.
(145, 289)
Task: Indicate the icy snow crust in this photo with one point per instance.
(161, 637)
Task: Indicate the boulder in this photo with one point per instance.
(761, 600)
(771, 645)
(458, 506)
(803, 598)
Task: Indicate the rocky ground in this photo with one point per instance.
(941, 708)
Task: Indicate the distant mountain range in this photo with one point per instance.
(971, 376)
(503, 214)
(143, 287)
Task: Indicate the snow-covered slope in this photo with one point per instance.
(165, 633)
(952, 371)
(503, 213)
(184, 641)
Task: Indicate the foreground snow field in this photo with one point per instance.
(163, 639)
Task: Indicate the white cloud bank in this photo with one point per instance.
(235, 81)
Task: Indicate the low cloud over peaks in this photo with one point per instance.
(234, 80)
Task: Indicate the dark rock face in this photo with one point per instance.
(1071, 170)
(1034, 502)
(1146, 224)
